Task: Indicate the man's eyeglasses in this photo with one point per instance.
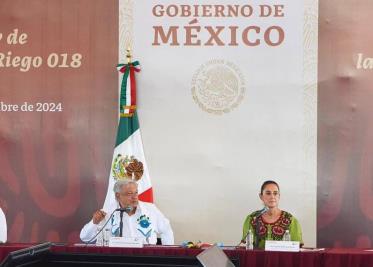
(129, 194)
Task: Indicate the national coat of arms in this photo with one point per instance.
(127, 167)
(218, 86)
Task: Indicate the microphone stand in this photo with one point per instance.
(256, 241)
(260, 213)
(121, 223)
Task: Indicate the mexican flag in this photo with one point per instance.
(128, 158)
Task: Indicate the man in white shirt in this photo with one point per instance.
(140, 219)
(3, 228)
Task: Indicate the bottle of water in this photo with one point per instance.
(107, 236)
(250, 240)
(286, 236)
(100, 234)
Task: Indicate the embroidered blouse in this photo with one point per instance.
(272, 231)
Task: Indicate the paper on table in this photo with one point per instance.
(312, 249)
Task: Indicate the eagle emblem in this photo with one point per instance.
(127, 167)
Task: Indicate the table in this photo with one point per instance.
(332, 257)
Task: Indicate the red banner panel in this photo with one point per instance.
(58, 99)
(345, 131)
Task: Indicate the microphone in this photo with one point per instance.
(262, 211)
(126, 209)
(259, 213)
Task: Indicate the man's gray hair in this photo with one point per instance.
(118, 184)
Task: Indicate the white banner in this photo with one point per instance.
(226, 100)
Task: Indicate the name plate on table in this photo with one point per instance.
(125, 242)
(273, 245)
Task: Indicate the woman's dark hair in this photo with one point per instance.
(267, 183)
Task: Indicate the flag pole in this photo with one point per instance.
(128, 56)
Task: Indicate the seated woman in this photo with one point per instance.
(3, 228)
(271, 223)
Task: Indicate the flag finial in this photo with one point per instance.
(128, 56)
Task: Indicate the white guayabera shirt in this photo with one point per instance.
(3, 228)
(147, 222)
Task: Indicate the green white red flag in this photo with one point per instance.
(128, 157)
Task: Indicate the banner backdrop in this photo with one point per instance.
(227, 100)
(58, 99)
(345, 191)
